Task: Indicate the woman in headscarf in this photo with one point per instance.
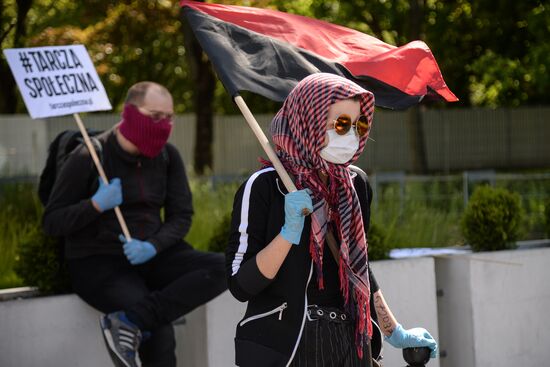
(310, 304)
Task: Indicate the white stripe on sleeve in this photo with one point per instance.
(243, 226)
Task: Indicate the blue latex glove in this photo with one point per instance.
(136, 251)
(412, 338)
(295, 202)
(108, 196)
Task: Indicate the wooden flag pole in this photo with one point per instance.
(287, 181)
(101, 172)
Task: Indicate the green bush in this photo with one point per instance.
(19, 211)
(211, 204)
(220, 235)
(41, 264)
(28, 256)
(493, 219)
(379, 248)
(547, 217)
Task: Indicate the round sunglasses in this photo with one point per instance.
(342, 125)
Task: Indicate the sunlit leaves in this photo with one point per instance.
(490, 53)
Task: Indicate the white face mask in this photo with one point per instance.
(340, 148)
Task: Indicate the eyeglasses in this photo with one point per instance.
(158, 115)
(343, 124)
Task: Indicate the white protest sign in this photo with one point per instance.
(57, 80)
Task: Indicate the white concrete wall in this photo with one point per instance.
(54, 331)
(408, 286)
(23, 145)
(494, 308)
(64, 331)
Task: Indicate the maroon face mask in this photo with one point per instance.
(148, 135)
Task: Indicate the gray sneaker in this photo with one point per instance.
(122, 339)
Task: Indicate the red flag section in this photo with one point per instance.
(411, 68)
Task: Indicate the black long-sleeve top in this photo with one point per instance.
(269, 333)
(148, 186)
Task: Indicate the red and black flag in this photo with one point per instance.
(267, 52)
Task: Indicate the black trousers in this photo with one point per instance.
(154, 294)
(329, 342)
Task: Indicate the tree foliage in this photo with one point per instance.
(128, 41)
(490, 53)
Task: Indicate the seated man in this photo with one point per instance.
(144, 283)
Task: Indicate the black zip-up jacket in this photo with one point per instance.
(270, 331)
(148, 185)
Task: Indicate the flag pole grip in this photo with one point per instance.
(101, 172)
(251, 120)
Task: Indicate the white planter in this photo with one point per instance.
(493, 309)
(63, 331)
(55, 331)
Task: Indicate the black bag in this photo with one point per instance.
(58, 151)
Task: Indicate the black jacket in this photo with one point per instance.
(148, 184)
(270, 331)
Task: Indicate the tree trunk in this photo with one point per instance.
(204, 138)
(8, 97)
(414, 115)
(205, 83)
(8, 92)
(416, 140)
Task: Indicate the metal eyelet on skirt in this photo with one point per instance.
(320, 312)
(343, 317)
(333, 315)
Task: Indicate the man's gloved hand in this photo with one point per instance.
(136, 251)
(108, 196)
(295, 202)
(412, 338)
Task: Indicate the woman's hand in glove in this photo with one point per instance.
(412, 338)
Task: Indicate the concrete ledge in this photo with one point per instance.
(18, 293)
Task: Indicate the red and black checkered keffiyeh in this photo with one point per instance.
(298, 131)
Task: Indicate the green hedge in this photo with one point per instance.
(29, 257)
(40, 262)
(411, 222)
(379, 248)
(547, 218)
(220, 235)
(20, 211)
(493, 219)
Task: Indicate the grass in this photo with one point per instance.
(211, 204)
(426, 215)
(533, 194)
